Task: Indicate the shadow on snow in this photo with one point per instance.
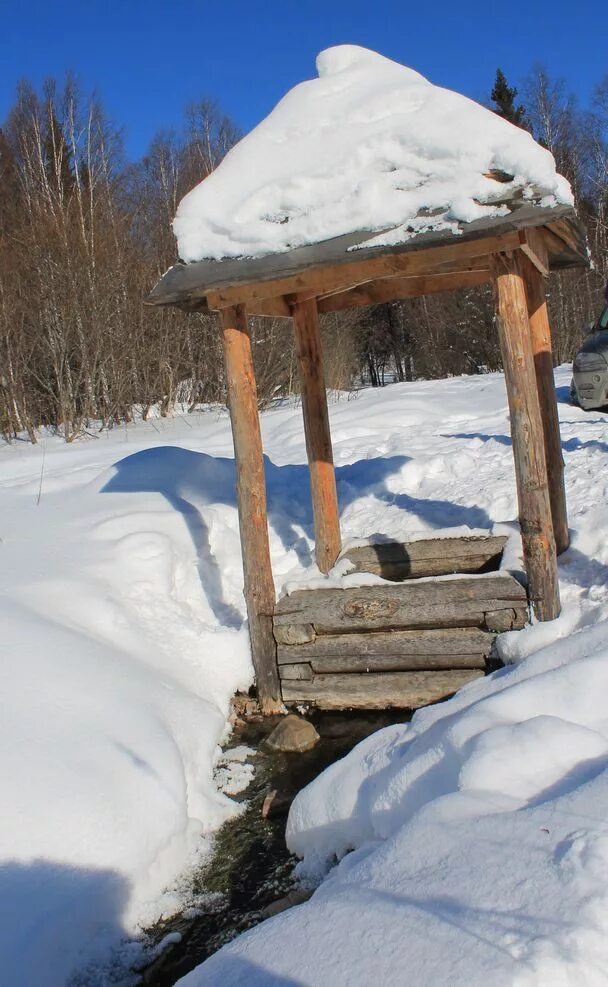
(191, 481)
(60, 919)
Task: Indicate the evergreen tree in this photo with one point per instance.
(503, 96)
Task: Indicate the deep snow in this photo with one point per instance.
(368, 145)
(122, 612)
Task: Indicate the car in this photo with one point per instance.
(589, 387)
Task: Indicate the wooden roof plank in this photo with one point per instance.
(188, 284)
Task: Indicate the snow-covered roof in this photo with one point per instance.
(369, 145)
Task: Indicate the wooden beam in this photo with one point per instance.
(251, 497)
(321, 280)
(534, 246)
(395, 289)
(316, 430)
(465, 274)
(571, 235)
(528, 438)
(276, 308)
(540, 331)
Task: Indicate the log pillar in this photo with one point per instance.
(528, 437)
(540, 331)
(316, 430)
(251, 499)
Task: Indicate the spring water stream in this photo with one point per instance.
(249, 876)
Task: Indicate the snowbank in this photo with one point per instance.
(123, 638)
(480, 844)
(368, 145)
(524, 736)
(119, 659)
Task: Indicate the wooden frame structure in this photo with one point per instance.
(515, 252)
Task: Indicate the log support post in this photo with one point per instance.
(527, 434)
(251, 499)
(316, 429)
(540, 331)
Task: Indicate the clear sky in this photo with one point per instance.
(146, 59)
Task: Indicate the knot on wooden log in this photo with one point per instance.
(370, 609)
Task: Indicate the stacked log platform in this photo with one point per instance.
(403, 644)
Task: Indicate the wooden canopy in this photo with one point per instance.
(515, 252)
(331, 269)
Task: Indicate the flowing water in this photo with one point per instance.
(249, 876)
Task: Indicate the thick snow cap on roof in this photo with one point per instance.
(368, 145)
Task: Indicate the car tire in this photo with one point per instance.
(573, 395)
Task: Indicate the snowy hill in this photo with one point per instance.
(123, 640)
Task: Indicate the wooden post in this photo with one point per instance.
(251, 499)
(528, 439)
(543, 364)
(316, 429)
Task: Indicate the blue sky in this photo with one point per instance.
(148, 59)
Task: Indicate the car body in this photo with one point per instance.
(589, 386)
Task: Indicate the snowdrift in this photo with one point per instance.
(479, 839)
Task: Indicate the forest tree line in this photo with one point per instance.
(84, 234)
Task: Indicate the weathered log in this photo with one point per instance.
(301, 671)
(498, 621)
(404, 690)
(251, 497)
(294, 633)
(527, 434)
(317, 434)
(433, 617)
(424, 661)
(429, 557)
(428, 603)
(379, 644)
(540, 331)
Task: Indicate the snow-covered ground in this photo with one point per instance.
(123, 639)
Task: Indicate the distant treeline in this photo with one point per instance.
(84, 234)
